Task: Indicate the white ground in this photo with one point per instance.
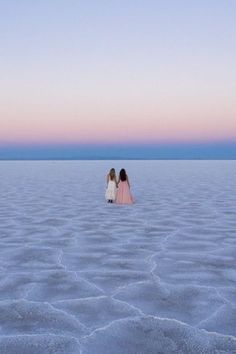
(78, 275)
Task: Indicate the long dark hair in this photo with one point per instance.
(123, 176)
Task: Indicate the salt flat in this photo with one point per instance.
(78, 275)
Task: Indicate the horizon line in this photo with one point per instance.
(121, 159)
(117, 144)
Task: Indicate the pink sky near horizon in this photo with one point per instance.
(137, 123)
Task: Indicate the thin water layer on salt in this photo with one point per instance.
(80, 275)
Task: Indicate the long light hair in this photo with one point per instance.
(112, 174)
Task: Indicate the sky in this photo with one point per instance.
(108, 73)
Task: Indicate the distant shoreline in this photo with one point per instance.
(149, 152)
(123, 159)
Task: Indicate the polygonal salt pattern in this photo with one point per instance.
(78, 275)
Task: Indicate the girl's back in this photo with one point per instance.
(111, 189)
(123, 194)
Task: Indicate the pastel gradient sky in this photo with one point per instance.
(117, 71)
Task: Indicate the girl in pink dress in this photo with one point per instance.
(123, 194)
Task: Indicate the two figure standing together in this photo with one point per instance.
(118, 191)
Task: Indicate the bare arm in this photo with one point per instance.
(117, 181)
(127, 178)
(107, 178)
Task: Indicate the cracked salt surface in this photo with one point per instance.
(78, 275)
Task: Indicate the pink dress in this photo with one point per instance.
(123, 194)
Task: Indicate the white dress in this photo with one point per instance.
(111, 190)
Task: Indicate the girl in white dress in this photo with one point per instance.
(111, 189)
